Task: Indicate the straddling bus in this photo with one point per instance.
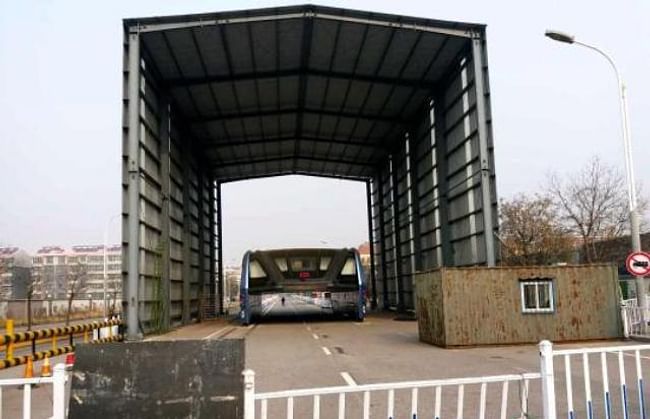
(334, 274)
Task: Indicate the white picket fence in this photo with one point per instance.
(627, 396)
(635, 319)
(59, 395)
(596, 396)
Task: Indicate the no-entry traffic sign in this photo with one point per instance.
(638, 263)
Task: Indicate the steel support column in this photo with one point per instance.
(213, 243)
(220, 247)
(133, 219)
(397, 241)
(201, 211)
(382, 238)
(484, 155)
(164, 245)
(373, 280)
(415, 208)
(187, 235)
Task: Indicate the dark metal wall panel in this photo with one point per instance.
(468, 171)
(403, 231)
(390, 233)
(377, 240)
(172, 206)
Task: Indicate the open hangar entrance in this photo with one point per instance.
(399, 103)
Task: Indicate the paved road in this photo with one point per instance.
(298, 345)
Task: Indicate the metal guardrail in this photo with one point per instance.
(59, 396)
(624, 405)
(625, 399)
(250, 397)
(105, 331)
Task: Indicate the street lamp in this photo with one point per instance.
(627, 146)
(108, 225)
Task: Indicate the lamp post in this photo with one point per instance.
(108, 225)
(627, 146)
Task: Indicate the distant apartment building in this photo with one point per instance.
(50, 272)
(364, 254)
(57, 271)
(15, 273)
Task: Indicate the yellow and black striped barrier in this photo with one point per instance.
(13, 341)
(56, 331)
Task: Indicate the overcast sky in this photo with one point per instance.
(554, 106)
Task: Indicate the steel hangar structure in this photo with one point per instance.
(400, 103)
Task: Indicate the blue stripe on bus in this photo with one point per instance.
(590, 410)
(608, 406)
(571, 415)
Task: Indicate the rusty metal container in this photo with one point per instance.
(487, 306)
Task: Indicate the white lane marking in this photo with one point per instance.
(632, 355)
(348, 379)
(327, 351)
(315, 336)
(215, 333)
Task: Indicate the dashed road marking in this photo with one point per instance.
(315, 336)
(327, 351)
(348, 379)
(634, 356)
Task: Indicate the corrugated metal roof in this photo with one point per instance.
(300, 89)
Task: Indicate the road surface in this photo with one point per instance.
(299, 345)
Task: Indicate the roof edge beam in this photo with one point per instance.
(296, 72)
(157, 27)
(237, 178)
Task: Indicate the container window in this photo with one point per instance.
(537, 296)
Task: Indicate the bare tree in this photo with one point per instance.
(116, 290)
(31, 285)
(531, 233)
(593, 204)
(76, 282)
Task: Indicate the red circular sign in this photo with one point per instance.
(638, 263)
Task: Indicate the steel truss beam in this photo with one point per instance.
(289, 111)
(306, 138)
(298, 72)
(292, 157)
